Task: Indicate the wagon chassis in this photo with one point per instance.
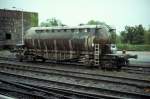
(89, 59)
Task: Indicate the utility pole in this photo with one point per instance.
(22, 29)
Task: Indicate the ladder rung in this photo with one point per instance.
(96, 53)
(96, 56)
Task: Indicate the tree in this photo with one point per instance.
(130, 34)
(118, 39)
(133, 35)
(123, 37)
(34, 19)
(139, 38)
(147, 36)
(51, 22)
(93, 22)
(113, 36)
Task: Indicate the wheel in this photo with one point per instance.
(43, 59)
(127, 62)
(34, 59)
(119, 67)
(20, 60)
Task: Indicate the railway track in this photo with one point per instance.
(98, 80)
(81, 68)
(82, 75)
(19, 90)
(28, 91)
(90, 90)
(142, 70)
(136, 69)
(7, 59)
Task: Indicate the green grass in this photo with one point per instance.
(130, 47)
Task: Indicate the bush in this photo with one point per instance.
(130, 47)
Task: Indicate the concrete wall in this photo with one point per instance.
(11, 25)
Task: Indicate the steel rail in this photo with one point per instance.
(110, 91)
(82, 75)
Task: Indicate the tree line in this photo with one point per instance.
(134, 35)
(130, 35)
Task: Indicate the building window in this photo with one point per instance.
(8, 36)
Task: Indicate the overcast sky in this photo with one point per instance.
(118, 13)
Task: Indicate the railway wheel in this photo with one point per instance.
(20, 59)
(107, 65)
(43, 59)
(34, 59)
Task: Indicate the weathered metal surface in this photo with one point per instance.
(80, 38)
(11, 22)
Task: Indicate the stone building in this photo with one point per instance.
(13, 24)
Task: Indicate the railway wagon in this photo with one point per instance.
(89, 45)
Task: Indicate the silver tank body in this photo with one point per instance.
(79, 38)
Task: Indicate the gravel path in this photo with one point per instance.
(7, 54)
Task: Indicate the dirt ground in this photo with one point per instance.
(6, 53)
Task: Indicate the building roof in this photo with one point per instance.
(8, 10)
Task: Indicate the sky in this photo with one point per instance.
(117, 13)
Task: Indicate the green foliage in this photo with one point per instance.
(93, 22)
(51, 22)
(113, 36)
(118, 39)
(34, 19)
(123, 37)
(130, 47)
(133, 35)
(147, 36)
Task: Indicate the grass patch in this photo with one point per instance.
(130, 47)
